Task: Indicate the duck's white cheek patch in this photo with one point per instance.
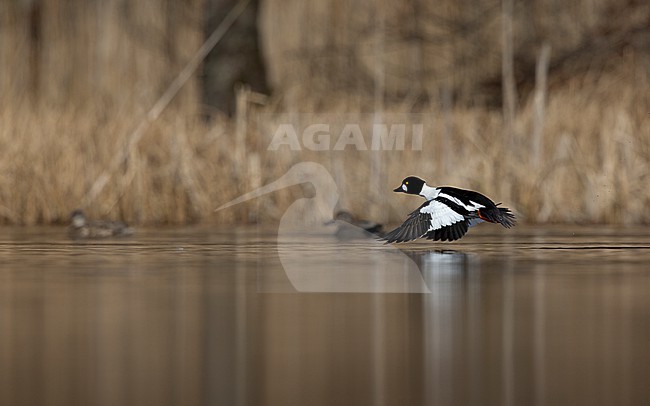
(404, 188)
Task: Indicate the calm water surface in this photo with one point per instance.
(534, 316)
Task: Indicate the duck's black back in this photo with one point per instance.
(466, 196)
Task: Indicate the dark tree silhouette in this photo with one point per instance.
(235, 60)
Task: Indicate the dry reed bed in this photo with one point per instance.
(100, 73)
(594, 164)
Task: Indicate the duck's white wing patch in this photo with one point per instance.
(440, 215)
(430, 219)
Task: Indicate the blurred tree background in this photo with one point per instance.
(543, 105)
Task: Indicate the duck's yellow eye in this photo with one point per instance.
(406, 183)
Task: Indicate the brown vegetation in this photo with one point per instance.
(577, 148)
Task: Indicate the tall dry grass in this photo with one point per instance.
(592, 164)
(583, 156)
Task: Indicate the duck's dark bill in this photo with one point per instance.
(399, 189)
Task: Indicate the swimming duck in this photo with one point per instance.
(447, 214)
(81, 228)
(351, 227)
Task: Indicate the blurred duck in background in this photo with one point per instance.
(351, 227)
(82, 228)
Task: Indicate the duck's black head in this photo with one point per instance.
(411, 185)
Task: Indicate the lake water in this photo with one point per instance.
(528, 316)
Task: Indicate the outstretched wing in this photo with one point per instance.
(416, 225)
(449, 233)
(431, 216)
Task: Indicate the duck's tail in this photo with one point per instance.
(500, 215)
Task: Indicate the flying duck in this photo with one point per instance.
(447, 213)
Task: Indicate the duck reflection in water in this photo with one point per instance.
(82, 228)
(441, 266)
